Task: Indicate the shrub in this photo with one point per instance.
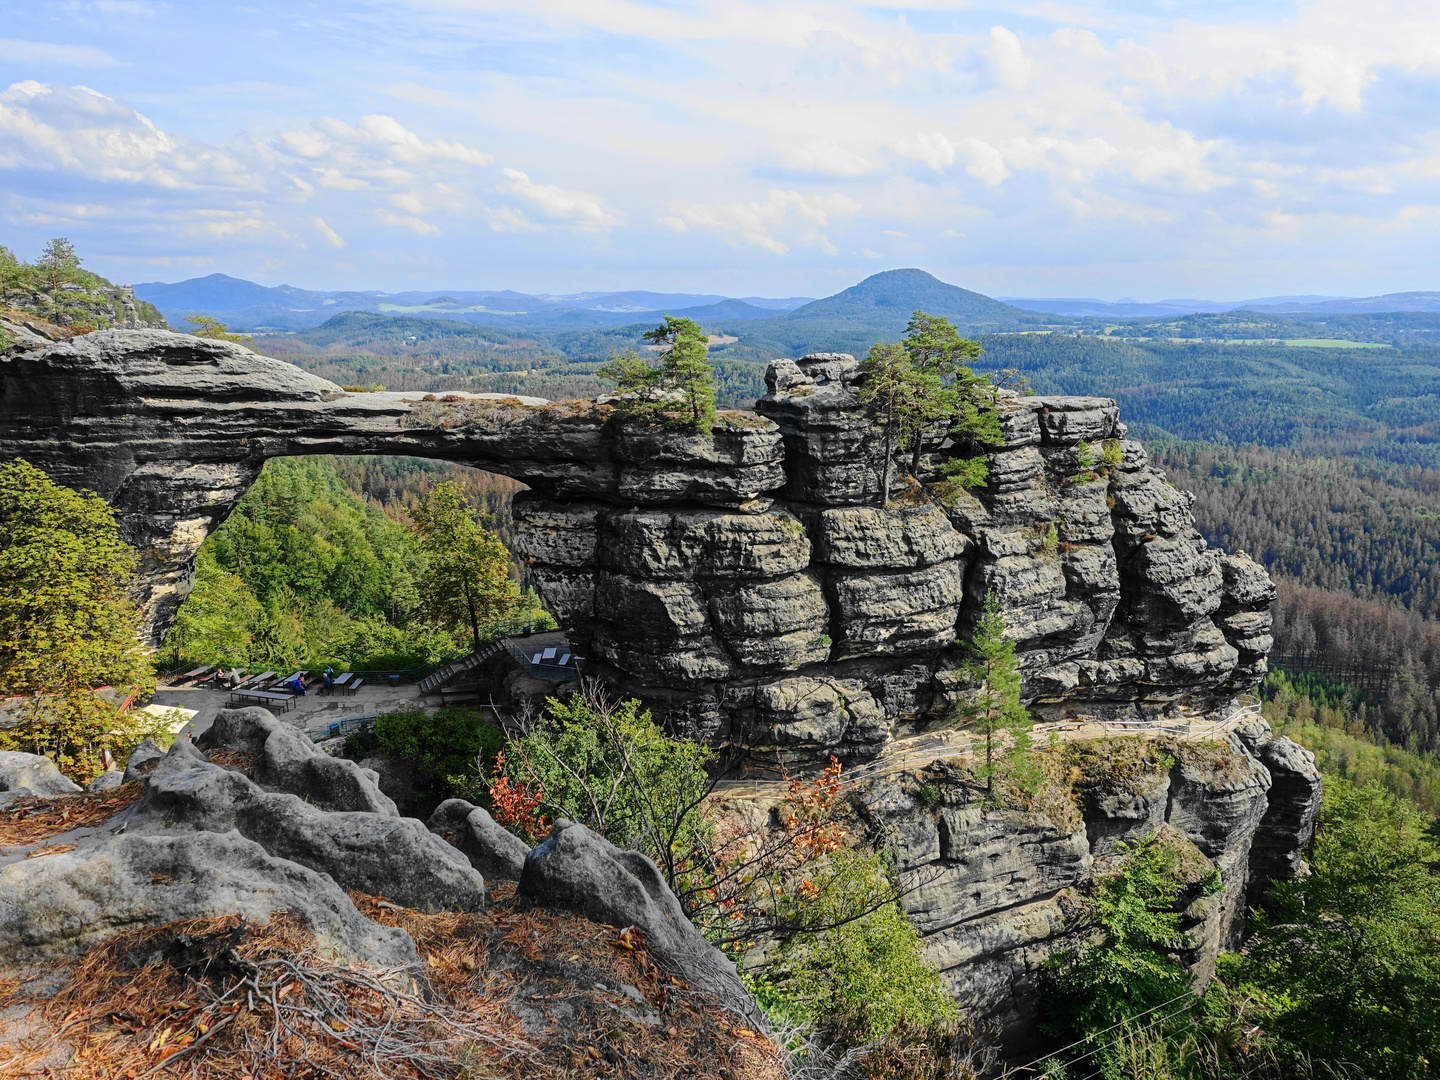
(871, 966)
(452, 749)
(1121, 971)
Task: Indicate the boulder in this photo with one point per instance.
(494, 851)
(106, 781)
(378, 853)
(287, 760)
(34, 773)
(64, 902)
(142, 759)
(577, 869)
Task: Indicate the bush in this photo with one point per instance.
(612, 768)
(1122, 970)
(871, 966)
(453, 749)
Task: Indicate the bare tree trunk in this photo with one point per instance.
(474, 622)
(885, 462)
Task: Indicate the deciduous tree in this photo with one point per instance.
(467, 580)
(68, 625)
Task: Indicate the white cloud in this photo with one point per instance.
(984, 162)
(758, 224)
(574, 208)
(934, 150)
(331, 236)
(424, 228)
(1008, 56)
(827, 157)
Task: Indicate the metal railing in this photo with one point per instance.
(959, 743)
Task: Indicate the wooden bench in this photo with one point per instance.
(264, 697)
(350, 688)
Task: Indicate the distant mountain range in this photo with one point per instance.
(875, 309)
(1269, 305)
(244, 305)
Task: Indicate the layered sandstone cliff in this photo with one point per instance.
(744, 582)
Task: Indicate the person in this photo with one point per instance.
(298, 684)
(329, 680)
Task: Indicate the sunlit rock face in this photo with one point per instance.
(745, 582)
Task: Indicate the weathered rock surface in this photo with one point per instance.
(33, 774)
(498, 854)
(996, 891)
(695, 569)
(205, 839)
(579, 869)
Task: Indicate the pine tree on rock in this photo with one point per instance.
(59, 259)
(993, 708)
(684, 371)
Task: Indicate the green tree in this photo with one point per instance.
(869, 967)
(611, 767)
(9, 269)
(632, 374)
(899, 398)
(1351, 953)
(684, 376)
(68, 626)
(214, 329)
(993, 707)
(936, 348)
(58, 259)
(1121, 971)
(685, 362)
(467, 579)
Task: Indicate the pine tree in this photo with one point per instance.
(685, 366)
(58, 259)
(993, 707)
(684, 369)
(899, 398)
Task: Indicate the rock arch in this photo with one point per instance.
(743, 582)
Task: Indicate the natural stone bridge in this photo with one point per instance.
(743, 583)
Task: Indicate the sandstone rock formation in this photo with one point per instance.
(743, 583)
(998, 889)
(229, 832)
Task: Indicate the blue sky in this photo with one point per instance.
(1123, 148)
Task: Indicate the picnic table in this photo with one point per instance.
(196, 673)
(284, 701)
(286, 680)
(350, 686)
(338, 682)
(255, 680)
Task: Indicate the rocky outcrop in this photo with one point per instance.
(995, 892)
(742, 582)
(234, 835)
(579, 869)
(29, 774)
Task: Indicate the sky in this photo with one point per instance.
(1121, 148)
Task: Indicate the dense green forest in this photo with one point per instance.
(317, 565)
(1360, 526)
